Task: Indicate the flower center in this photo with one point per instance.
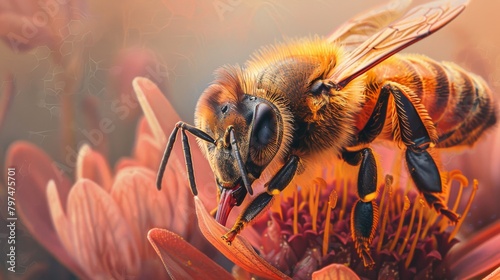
(311, 229)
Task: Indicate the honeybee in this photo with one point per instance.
(296, 106)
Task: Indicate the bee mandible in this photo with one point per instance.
(296, 106)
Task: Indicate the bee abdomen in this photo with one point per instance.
(460, 103)
(470, 110)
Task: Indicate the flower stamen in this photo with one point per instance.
(296, 211)
(463, 183)
(408, 231)
(419, 227)
(385, 211)
(475, 185)
(332, 202)
(344, 199)
(406, 206)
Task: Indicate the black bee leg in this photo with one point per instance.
(186, 149)
(414, 134)
(364, 216)
(425, 174)
(278, 183)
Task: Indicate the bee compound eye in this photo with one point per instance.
(264, 126)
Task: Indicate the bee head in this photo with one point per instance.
(248, 132)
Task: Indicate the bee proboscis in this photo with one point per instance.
(297, 105)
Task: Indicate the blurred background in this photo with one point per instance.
(66, 66)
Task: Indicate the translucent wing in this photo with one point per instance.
(415, 25)
(360, 28)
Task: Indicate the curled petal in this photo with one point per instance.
(92, 165)
(240, 251)
(34, 169)
(62, 226)
(181, 260)
(335, 272)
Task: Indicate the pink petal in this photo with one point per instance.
(335, 272)
(144, 207)
(124, 162)
(147, 152)
(240, 251)
(103, 242)
(476, 256)
(34, 169)
(143, 127)
(92, 165)
(63, 228)
(162, 118)
(181, 260)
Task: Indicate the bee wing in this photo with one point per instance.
(360, 28)
(415, 25)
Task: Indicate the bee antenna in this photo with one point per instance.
(187, 152)
(234, 147)
(166, 155)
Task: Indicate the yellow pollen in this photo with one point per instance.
(275, 192)
(332, 202)
(475, 186)
(387, 189)
(406, 206)
(415, 239)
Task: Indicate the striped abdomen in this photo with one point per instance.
(460, 103)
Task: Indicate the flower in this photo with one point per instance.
(97, 226)
(307, 235)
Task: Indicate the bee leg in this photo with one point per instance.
(364, 216)
(425, 174)
(278, 183)
(415, 135)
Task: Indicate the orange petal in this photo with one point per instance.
(162, 118)
(335, 272)
(476, 256)
(34, 169)
(103, 241)
(494, 275)
(181, 260)
(240, 251)
(92, 165)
